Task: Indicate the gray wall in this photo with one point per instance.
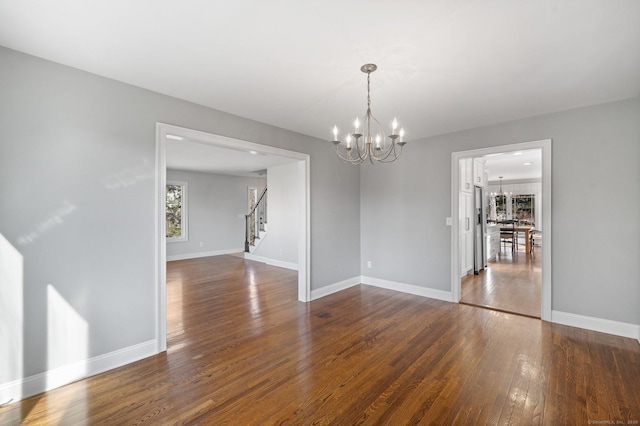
(281, 241)
(77, 170)
(216, 208)
(595, 207)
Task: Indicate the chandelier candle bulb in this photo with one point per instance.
(359, 146)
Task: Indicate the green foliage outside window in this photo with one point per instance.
(523, 207)
(174, 211)
(501, 207)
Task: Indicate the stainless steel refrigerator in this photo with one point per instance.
(479, 230)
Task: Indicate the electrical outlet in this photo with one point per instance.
(201, 244)
(368, 264)
(448, 221)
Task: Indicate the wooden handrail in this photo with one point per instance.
(258, 203)
(247, 241)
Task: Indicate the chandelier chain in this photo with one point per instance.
(369, 91)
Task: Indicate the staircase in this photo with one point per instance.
(256, 224)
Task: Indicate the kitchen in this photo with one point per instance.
(501, 231)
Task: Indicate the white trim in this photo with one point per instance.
(51, 379)
(273, 262)
(304, 242)
(545, 146)
(596, 324)
(184, 214)
(304, 238)
(203, 254)
(161, 239)
(408, 288)
(335, 287)
(386, 284)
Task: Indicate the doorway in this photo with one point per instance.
(460, 261)
(163, 131)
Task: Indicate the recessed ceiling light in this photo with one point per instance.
(253, 152)
(527, 163)
(175, 138)
(517, 153)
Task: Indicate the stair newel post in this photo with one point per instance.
(246, 232)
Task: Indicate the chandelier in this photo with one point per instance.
(368, 143)
(501, 193)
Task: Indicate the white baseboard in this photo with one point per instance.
(51, 379)
(376, 282)
(334, 288)
(597, 324)
(408, 288)
(273, 262)
(203, 254)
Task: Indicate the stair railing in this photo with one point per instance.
(259, 219)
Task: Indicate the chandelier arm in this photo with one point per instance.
(384, 155)
(346, 158)
(396, 149)
(394, 158)
(362, 154)
(349, 157)
(355, 159)
(383, 148)
(380, 128)
(340, 155)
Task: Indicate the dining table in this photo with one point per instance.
(526, 229)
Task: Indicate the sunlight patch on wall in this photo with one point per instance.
(11, 313)
(67, 338)
(130, 176)
(51, 221)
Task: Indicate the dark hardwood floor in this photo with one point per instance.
(512, 283)
(243, 351)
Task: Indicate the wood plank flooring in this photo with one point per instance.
(512, 283)
(243, 351)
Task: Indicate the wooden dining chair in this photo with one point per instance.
(508, 236)
(535, 239)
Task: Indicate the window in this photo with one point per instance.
(523, 207)
(176, 212)
(501, 207)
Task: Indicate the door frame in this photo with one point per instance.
(304, 189)
(545, 146)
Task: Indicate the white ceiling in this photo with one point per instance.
(198, 156)
(443, 65)
(515, 165)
